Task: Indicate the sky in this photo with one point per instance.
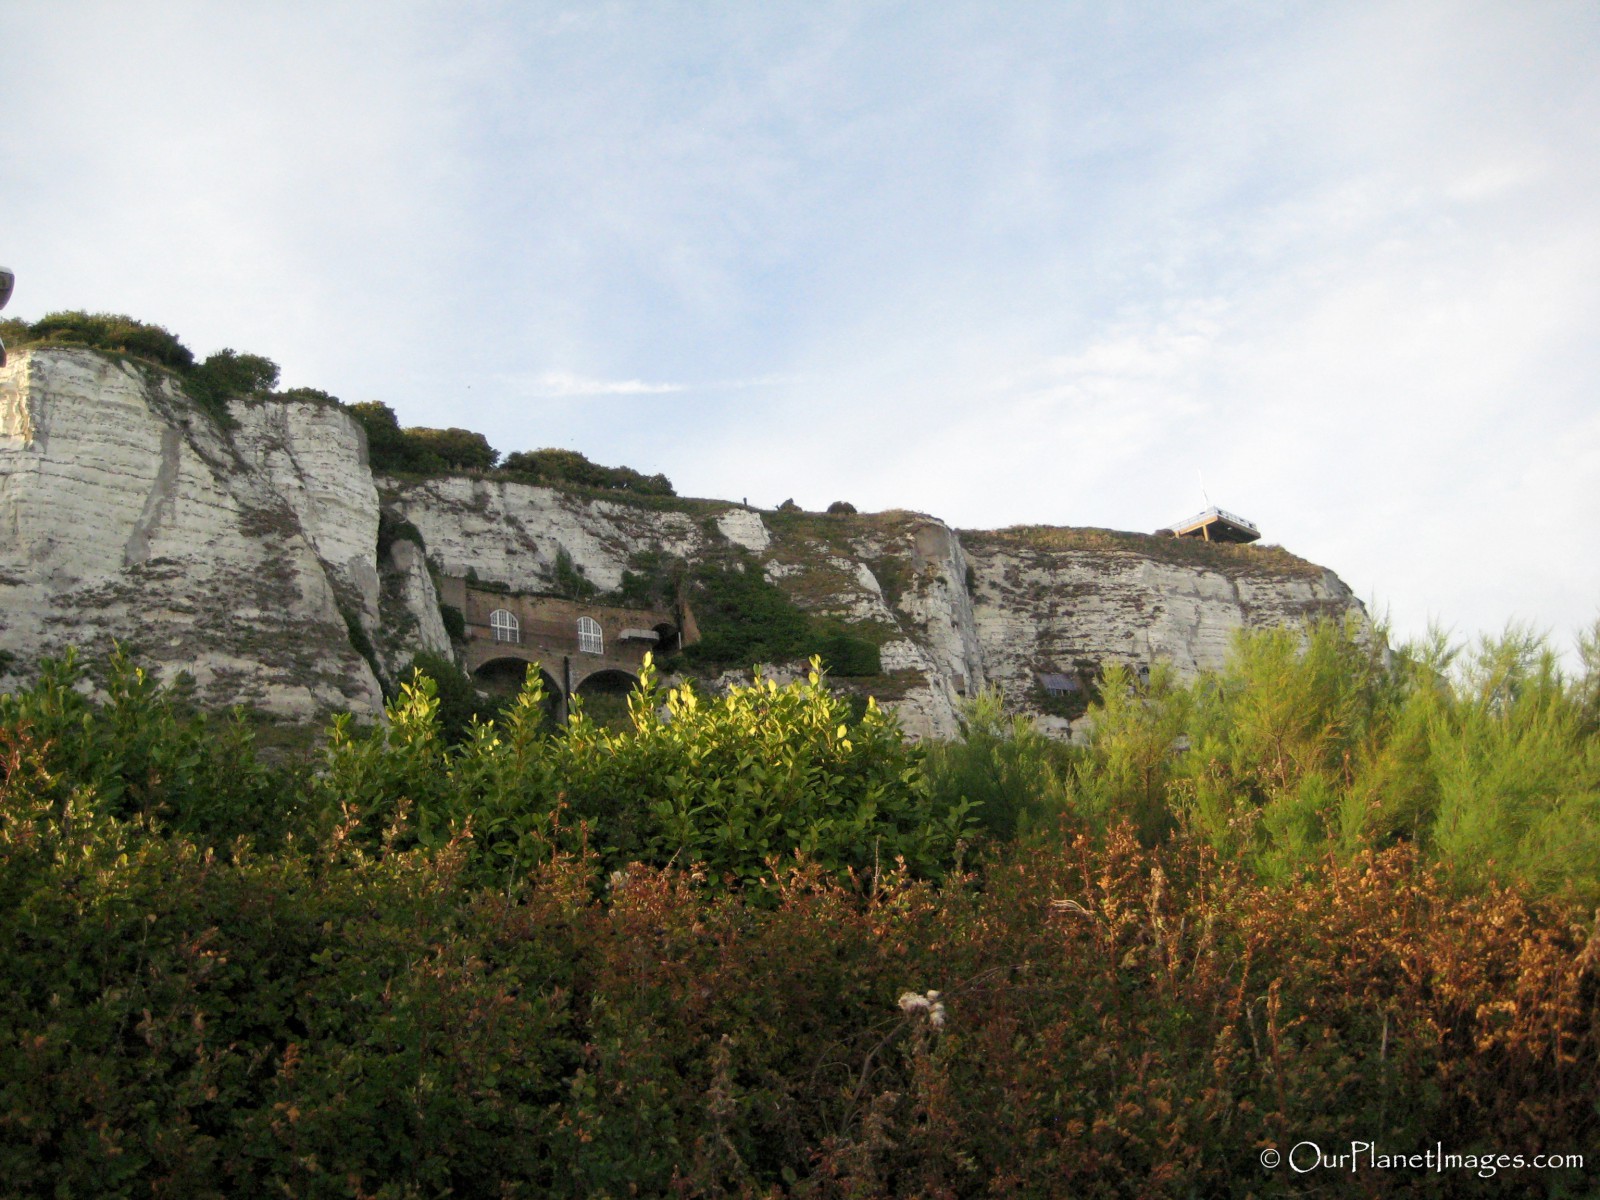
(1334, 267)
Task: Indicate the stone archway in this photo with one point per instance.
(503, 678)
(604, 694)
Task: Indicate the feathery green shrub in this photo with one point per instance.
(1318, 742)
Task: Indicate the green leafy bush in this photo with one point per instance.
(1013, 774)
(222, 376)
(727, 783)
(743, 618)
(112, 331)
(654, 579)
(143, 754)
(846, 655)
(1318, 742)
(311, 395)
(419, 451)
(567, 578)
(459, 704)
(570, 467)
(227, 373)
(387, 448)
(456, 449)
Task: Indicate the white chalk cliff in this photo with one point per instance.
(246, 553)
(127, 513)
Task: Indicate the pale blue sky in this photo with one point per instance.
(1001, 263)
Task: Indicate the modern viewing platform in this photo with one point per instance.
(1217, 525)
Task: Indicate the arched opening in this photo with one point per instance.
(590, 639)
(605, 697)
(505, 626)
(668, 642)
(502, 679)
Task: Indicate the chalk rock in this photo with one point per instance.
(1042, 609)
(245, 553)
(128, 513)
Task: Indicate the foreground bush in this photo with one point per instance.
(726, 783)
(699, 956)
(1318, 742)
(1112, 1022)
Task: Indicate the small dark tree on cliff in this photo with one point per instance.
(228, 373)
(419, 451)
(386, 445)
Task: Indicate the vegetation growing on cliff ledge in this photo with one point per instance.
(211, 383)
(417, 451)
(569, 467)
(746, 619)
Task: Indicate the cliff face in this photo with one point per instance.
(249, 557)
(127, 513)
(1062, 600)
(953, 613)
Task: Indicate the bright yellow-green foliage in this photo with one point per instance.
(1321, 742)
(726, 784)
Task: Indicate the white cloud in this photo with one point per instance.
(558, 383)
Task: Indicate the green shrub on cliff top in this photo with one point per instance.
(112, 331)
(419, 451)
(212, 383)
(227, 373)
(568, 466)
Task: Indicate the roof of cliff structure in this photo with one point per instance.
(1216, 525)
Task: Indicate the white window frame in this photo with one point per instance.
(590, 639)
(505, 627)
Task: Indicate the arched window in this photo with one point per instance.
(590, 640)
(504, 626)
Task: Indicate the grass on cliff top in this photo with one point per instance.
(836, 528)
(1253, 559)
